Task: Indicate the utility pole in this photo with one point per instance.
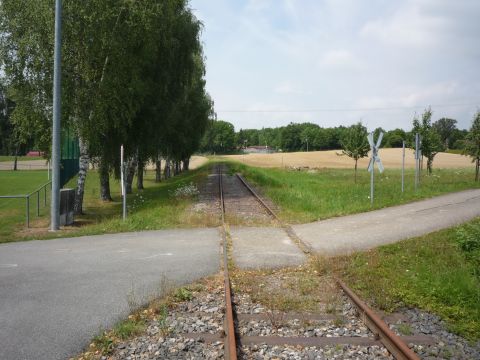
(55, 205)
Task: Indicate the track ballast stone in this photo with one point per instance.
(447, 346)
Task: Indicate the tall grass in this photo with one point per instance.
(308, 196)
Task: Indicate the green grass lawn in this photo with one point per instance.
(308, 196)
(155, 207)
(439, 272)
(20, 158)
(13, 211)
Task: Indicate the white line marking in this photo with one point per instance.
(156, 255)
(8, 265)
(122, 251)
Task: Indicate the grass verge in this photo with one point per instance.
(20, 158)
(438, 272)
(155, 207)
(13, 211)
(305, 196)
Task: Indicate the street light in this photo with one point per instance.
(55, 205)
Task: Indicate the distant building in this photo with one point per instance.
(35, 153)
(258, 150)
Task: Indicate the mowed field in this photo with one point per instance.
(391, 158)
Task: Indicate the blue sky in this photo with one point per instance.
(335, 62)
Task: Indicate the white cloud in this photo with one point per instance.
(338, 58)
(322, 54)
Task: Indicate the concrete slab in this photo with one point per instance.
(255, 247)
(346, 234)
(55, 295)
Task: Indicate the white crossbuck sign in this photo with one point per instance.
(375, 157)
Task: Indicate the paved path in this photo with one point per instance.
(267, 247)
(56, 294)
(367, 230)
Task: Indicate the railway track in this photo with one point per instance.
(238, 340)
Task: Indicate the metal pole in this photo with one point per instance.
(38, 203)
(45, 200)
(28, 210)
(371, 183)
(403, 166)
(122, 180)
(55, 207)
(416, 161)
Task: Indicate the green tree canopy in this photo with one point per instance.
(355, 143)
(472, 143)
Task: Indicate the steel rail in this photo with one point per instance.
(392, 342)
(259, 199)
(288, 229)
(395, 345)
(230, 343)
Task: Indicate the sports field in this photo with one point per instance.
(391, 158)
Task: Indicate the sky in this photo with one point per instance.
(337, 62)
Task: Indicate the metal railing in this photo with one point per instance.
(27, 200)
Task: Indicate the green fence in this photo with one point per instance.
(69, 155)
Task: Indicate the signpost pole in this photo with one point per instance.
(122, 181)
(371, 184)
(403, 166)
(416, 160)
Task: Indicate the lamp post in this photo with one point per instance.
(55, 205)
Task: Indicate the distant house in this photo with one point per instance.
(258, 150)
(35, 153)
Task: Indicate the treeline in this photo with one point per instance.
(222, 138)
(132, 74)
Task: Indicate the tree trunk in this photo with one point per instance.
(158, 169)
(166, 171)
(82, 175)
(140, 169)
(186, 164)
(177, 167)
(131, 167)
(477, 167)
(16, 159)
(104, 182)
(429, 166)
(356, 160)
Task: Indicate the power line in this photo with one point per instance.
(350, 109)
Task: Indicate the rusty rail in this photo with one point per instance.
(230, 343)
(288, 229)
(388, 338)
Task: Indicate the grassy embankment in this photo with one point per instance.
(438, 272)
(304, 196)
(155, 207)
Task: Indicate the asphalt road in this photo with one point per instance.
(367, 230)
(55, 295)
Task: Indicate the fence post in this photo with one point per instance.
(38, 203)
(45, 188)
(28, 210)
